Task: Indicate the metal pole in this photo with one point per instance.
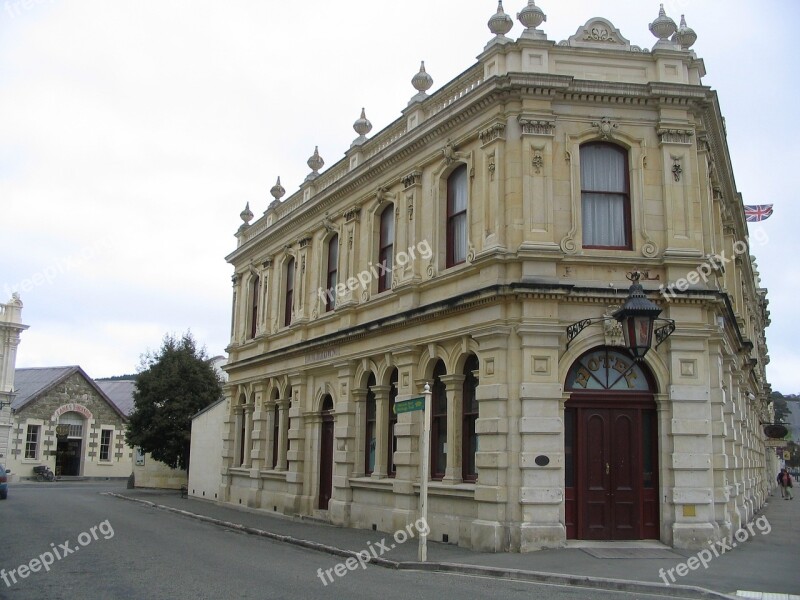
(422, 554)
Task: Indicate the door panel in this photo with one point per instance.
(625, 479)
(326, 462)
(596, 484)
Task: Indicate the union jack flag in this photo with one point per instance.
(757, 212)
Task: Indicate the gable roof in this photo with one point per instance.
(120, 392)
(31, 383)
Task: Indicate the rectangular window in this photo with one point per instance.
(105, 444)
(369, 446)
(287, 314)
(457, 217)
(386, 253)
(32, 442)
(333, 273)
(255, 291)
(605, 200)
(276, 430)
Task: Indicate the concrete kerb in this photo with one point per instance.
(676, 591)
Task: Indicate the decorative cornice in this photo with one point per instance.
(412, 179)
(675, 136)
(496, 131)
(533, 126)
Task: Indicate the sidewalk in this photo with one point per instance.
(766, 562)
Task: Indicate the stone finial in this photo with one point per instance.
(531, 17)
(422, 82)
(362, 127)
(277, 190)
(500, 23)
(246, 216)
(315, 163)
(663, 28)
(685, 36)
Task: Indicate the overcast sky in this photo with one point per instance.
(133, 133)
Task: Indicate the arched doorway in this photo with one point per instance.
(326, 454)
(611, 450)
(69, 444)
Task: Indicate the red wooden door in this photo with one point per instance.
(608, 475)
(326, 461)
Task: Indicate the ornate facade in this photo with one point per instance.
(456, 247)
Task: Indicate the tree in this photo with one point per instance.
(172, 385)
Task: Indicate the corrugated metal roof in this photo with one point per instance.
(29, 383)
(120, 392)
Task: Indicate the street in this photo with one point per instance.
(99, 547)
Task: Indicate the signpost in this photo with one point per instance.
(422, 403)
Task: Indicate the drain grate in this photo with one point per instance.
(631, 553)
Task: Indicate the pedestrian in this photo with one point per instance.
(785, 481)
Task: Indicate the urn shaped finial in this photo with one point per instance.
(685, 36)
(500, 23)
(246, 215)
(422, 82)
(277, 190)
(663, 27)
(362, 127)
(531, 16)
(315, 163)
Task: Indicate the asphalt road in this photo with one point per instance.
(104, 548)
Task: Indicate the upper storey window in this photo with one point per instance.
(289, 296)
(386, 249)
(255, 291)
(605, 196)
(333, 270)
(457, 216)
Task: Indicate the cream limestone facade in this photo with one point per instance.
(10, 329)
(511, 203)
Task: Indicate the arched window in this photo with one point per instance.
(333, 271)
(469, 438)
(605, 196)
(289, 296)
(457, 216)
(386, 249)
(438, 423)
(370, 428)
(391, 468)
(255, 290)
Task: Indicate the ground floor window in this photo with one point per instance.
(32, 442)
(105, 444)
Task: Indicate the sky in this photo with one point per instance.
(133, 133)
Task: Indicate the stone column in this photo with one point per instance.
(489, 532)
(344, 448)
(454, 386)
(407, 431)
(283, 433)
(248, 435)
(258, 453)
(359, 397)
(382, 409)
(298, 496)
(269, 430)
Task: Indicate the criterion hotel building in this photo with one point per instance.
(460, 242)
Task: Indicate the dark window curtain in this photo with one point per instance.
(369, 429)
(469, 437)
(386, 253)
(457, 216)
(287, 315)
(438, 423)
(333, 270)
(391, 468)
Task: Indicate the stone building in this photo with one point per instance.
(63, 419)
(456, 247)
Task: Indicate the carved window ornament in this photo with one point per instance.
(605, 128)
(491, 166)
(675, 136)
(537, 162)
(677, 169)
(450, 154)
(352, 213)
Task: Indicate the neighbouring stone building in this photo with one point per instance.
(455, 247)
(62, 418)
